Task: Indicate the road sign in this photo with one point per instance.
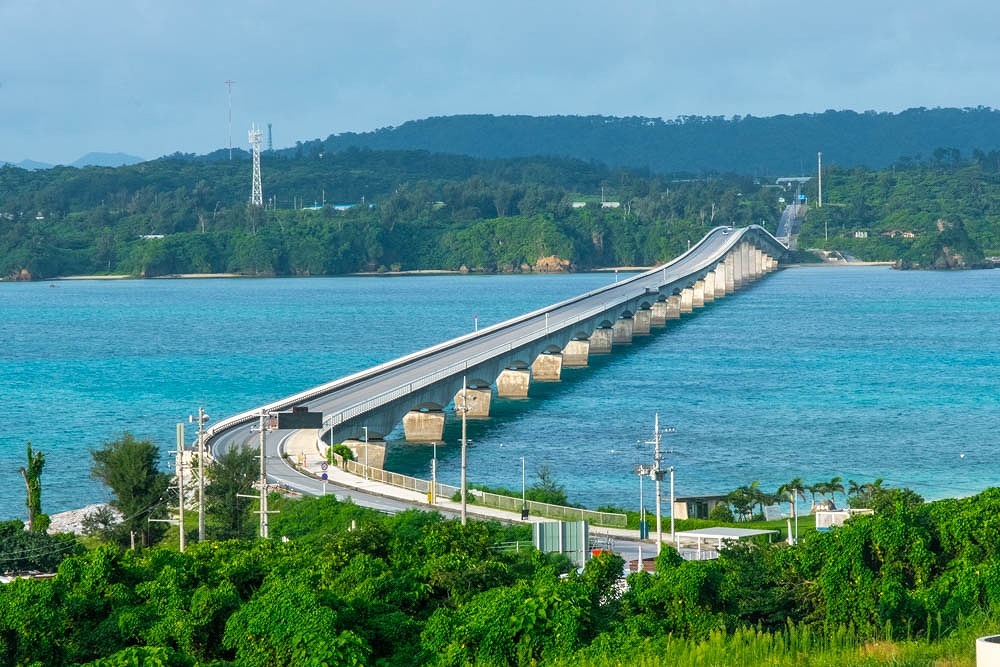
(323, 465)
(298, 418)
(323, 477)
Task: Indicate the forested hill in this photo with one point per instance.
(773, 146)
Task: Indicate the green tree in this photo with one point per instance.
(231, 476)
(32, 474)
(129, 468)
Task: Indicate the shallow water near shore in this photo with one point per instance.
(858, 372)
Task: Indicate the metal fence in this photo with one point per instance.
(486, 499)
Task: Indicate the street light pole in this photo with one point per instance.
(434, 475)
(180, 483)
(366, 450)
(673, 533)
(524, 495)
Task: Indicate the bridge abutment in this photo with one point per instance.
(371, 453)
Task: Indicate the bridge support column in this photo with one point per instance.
(371, 453)
(698, 294)
(709, 286)
(547, 367)
(640, 322)
(478, 402)
(423, 426)
(621, 332)
(514, 383)
(758, 263)
(575, 354)
(658, 314)
(687, 300)
(741, 266)
(674, 307)
(748, 265)
(730, 272)
(600, 341)
(719, 289)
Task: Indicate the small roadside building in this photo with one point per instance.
(696, 507)
(704, 543)
(827, 519)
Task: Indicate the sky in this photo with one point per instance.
(147, 77)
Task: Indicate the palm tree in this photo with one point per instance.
(794, 488)
(853, 488)
(817, 488)
(835, 485)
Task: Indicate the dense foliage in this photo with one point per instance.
(773, 146)
(420, 211)
(351, 586)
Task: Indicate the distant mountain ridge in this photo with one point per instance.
(776, 145)
(88, 160)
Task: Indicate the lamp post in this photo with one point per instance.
(434, 475)
(524, 496)
(365, 428)
(673, 533)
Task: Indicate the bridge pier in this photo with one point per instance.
(674, 307)
(641, 322)
(478, 401)
(547, 367)
(758, 263)
(698, 294)
(423, 425)
(600, 341)
(730, 262)
(371, 453)
(658, 314)
(576, 353)
(687, 300)
(720, 280)
(621, 331)
(709, 291)
(513, 383)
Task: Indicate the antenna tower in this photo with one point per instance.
(257, 195)
(270, 145)
(229, 85)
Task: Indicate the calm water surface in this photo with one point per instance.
(812, 372)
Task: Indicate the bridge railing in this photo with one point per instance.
(484, 498)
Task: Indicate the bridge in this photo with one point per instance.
(415, 390)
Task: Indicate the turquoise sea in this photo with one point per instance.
(860, 372)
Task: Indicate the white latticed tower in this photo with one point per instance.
(257, 195)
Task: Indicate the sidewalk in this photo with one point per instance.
(302, 451)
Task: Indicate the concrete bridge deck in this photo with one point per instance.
(415, 389)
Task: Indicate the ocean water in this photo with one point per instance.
(859, 372)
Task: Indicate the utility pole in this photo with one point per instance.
(263, 474)
(229, 85)
(465, 409)
(179, 521)
(819, 178)
(201, 419)
(657, 473)
(180, 483)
